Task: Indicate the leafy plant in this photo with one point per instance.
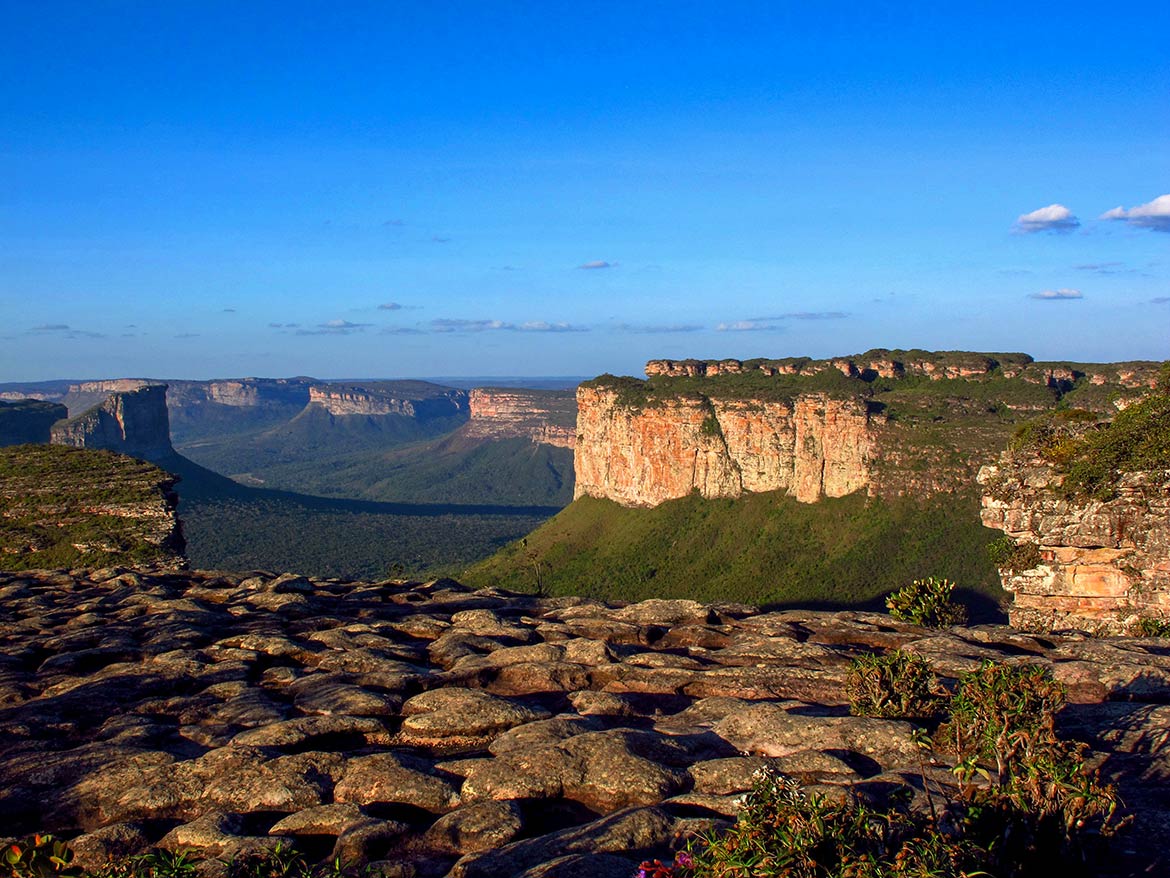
(1148, 626)
(898, 684)
(40, 856)
(927, 602)
(782, 832)
(1041, 800)
(1006, 554)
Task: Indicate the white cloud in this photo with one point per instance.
(389, 306)
(1053, 218)
(1151, 215)
(747, 326)
(597, 263)
(1062, 293)
(450, 324)
(334, 327)
(653, 329)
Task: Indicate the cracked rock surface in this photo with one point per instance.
(438, 731)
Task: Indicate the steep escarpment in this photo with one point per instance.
(132, 422)
(413, 399)
(207, 410)
(887, 422)
(71, 507)
(543, 416)
(810, 447)
(28, 420)
(1087, 508)
(439, 731)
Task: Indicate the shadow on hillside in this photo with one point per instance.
(199, 484)
(983, 610)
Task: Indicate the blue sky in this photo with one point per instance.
(199, 189)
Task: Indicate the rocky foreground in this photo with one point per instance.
(440, 731)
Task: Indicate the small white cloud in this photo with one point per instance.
(595, 264)
(389, 306)
(1152, 215)
(333, 327)
(747, 326)
(1053, 218)
(1160, 300)
(545, 326)
(1062, 293)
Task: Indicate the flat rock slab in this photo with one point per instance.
(436, 730)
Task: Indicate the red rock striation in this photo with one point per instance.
(547, 417)
(811, 447)
(1102, 564)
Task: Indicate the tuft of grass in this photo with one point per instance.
(897, 685)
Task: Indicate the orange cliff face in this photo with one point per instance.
(546, 417)
(812, 447)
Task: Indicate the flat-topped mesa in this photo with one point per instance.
(415, 399)
(812, 446)
(240, 392)
(543, 416)
(133, 422)
(71, 507)
(1098, 565)
(28, 420)
(932, 365)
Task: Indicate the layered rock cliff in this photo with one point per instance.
(894, 423)
(1099, 565)
(544, 416)
(133, 422)
(28, 420)
(413, 399)
(72, 507)
(810, 447)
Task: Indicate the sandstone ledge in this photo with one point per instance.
(443, 731)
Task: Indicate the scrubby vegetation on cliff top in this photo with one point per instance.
(760, 549)
(1093, 456)
(72, 507)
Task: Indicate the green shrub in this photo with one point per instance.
(927, 602)
(898, 685)
(784, 833)
(1148, 626)
(1041, 800)
(39, 856)
(1013, 557)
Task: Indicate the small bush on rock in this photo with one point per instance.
(927, 602)
(898, 685)
(39, 856)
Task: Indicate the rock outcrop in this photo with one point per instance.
(133, 422)
(29, 420)
(810, 447)
(78, 507)
(438, 731)
(1099, 565)
(544, 416)
(413, 399)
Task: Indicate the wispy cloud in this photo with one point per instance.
(229, 310)
(439, 239)
(654, 329)
(595, 264)
(400, 330)
(389, 306)
(335, 327)
(747, 326)
(1151, 215)
(1160, 300)
(394, 223)
(66, 331)
(802, 315)
(187, 335)
(1056, 295)
(284, 325)
(450, 324)
(1053, 218)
